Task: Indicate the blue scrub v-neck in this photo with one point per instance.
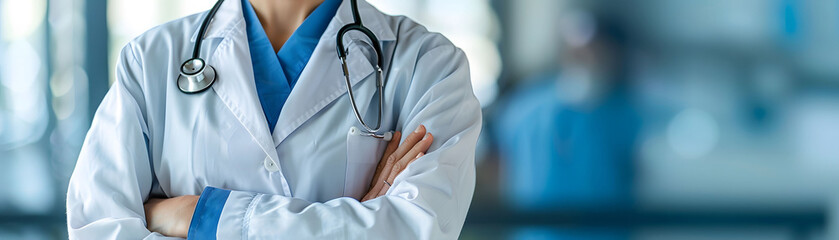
(276, 73)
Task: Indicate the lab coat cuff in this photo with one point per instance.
(235, 218)
(205, 218)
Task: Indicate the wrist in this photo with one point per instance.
(185, 214)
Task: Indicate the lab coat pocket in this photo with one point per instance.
(363, 154)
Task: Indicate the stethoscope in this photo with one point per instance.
(196, 75)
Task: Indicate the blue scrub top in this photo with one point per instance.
(559, 155)
(276, 73)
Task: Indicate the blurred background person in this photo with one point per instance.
(567, 139)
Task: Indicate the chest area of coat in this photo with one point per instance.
(205, 144)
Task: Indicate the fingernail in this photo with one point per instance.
(419, 128)
(420, 155)
(426, 136)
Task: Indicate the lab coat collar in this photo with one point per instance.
(230, 14)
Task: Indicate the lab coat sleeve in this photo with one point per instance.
(429, 200)
(113, 177)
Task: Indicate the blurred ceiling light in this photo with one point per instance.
(692, 133)
(20, 18)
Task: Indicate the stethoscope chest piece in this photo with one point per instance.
(196, 76)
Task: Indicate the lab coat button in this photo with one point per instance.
(270, 165)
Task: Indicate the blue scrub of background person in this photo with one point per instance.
(562, 156)
(567, 140)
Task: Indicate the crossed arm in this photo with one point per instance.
(172, 216)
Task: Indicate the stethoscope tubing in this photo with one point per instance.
(342, 55)
(199, 76)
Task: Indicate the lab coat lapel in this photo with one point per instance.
(322, 80)
(235, 85)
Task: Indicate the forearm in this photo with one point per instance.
(429, 200)
(247, 215)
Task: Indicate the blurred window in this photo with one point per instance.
(24, 110)
(22, 73)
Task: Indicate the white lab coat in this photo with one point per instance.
(302, 181)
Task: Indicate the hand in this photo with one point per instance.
(396, 158)
(171, 216)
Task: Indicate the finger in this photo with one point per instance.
(421, 147)
(377, 183)
(387, 157)
(391, 147)
(409, 142)
(381, 191)
(408, 162)
(373, 193)
(395, 172)
(402, 164)
(377, 186)
(406, 145)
